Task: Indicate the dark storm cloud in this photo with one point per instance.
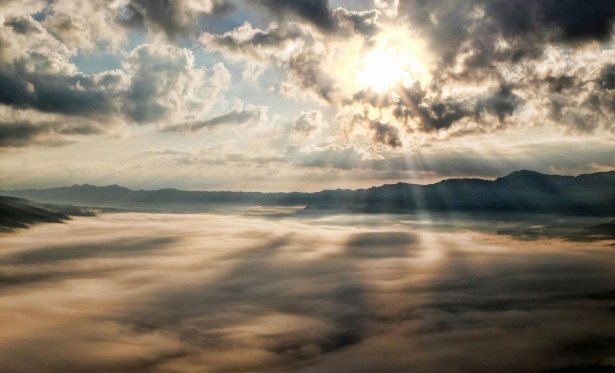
(234, 118)
(233, 293)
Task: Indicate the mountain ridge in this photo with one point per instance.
(519, 191)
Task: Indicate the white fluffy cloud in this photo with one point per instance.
(165, 84)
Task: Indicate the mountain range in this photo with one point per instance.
(521, 191)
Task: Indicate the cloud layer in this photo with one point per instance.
(174, 293)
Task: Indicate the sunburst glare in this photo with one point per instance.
(385, 67)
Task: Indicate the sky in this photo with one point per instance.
(275, 95)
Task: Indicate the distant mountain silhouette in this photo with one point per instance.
(19, 213)
(521, 191)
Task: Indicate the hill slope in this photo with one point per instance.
(19, 213)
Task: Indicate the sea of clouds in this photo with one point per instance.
(135, 292)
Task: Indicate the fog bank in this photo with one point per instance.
(219, 293)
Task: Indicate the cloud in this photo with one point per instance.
(386, 134)
(85, 24)
(23, 25)
(51, 93)
(570, 20)
(518, 22)
(141, 292)
(465, 69)
(380, 245)
(174, 18)
(607, 78)
(320, 14)
(246, 41)
(495, 59)
(441, 162)
(19, 134)
(25, 133)
(36, 73)
(502, 104)
(316, 12)
(157, 82)
(325, 155)
(309, 123)
(252, 114)
(301, 51)
(166, 84)
(362, 23)
(51, 254)
(288, 45)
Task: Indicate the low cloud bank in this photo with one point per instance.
(215, 293)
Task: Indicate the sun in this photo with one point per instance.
(384, 68)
